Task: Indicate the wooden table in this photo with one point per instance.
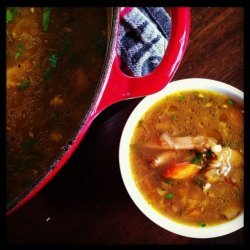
(87, 203)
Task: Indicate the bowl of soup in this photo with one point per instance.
(62, 70)
(181, 158)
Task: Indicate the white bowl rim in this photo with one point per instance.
(136, 196)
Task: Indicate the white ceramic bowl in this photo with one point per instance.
(137, 197)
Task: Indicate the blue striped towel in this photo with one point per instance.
(143, 37)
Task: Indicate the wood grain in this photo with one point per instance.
(87, 203)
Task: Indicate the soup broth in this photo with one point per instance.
(54, 60)
(186, 156)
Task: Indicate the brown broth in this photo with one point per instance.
(189, 113)
(54, 61)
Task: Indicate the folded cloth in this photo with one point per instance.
(143, 38)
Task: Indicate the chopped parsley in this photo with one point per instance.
(53, 60)
(54, 57)
(24, 85)
(11, 13)
(209, 153)
(19, 52)
(230, 101)
(169, 196)
(202, 224)
(181, 98)
(197, 158)
(46, 18)
(173, 117)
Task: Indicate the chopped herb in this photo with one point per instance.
(231, 102)
(24, 85)
(28, 144)
(202, 224)
(181, 98)
(209, 153)
(169, 196)
(11, 14)
(169, 182)
(46, 18)
(173, 117)
(53, 60)
(19, 52)
(197, 159)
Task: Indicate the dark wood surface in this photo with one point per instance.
(87, 203)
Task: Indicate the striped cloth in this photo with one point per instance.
(143, 38)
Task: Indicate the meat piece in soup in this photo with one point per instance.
(54, 60)
(187, 157)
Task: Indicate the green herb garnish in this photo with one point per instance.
(53, 60)
(46, 18)
(173, 117)
(24, 85)
(230, 101)
(169, 196)
(181, 98)
(54, 57)
(209, 153)
(19, 52)
(197, 158)
(11, 14)
(202, 224)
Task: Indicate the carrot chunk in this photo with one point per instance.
(181, 170)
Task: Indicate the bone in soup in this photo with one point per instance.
(54, 59)
(186, 157)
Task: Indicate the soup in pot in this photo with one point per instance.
(187, 157)
(54, 58)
